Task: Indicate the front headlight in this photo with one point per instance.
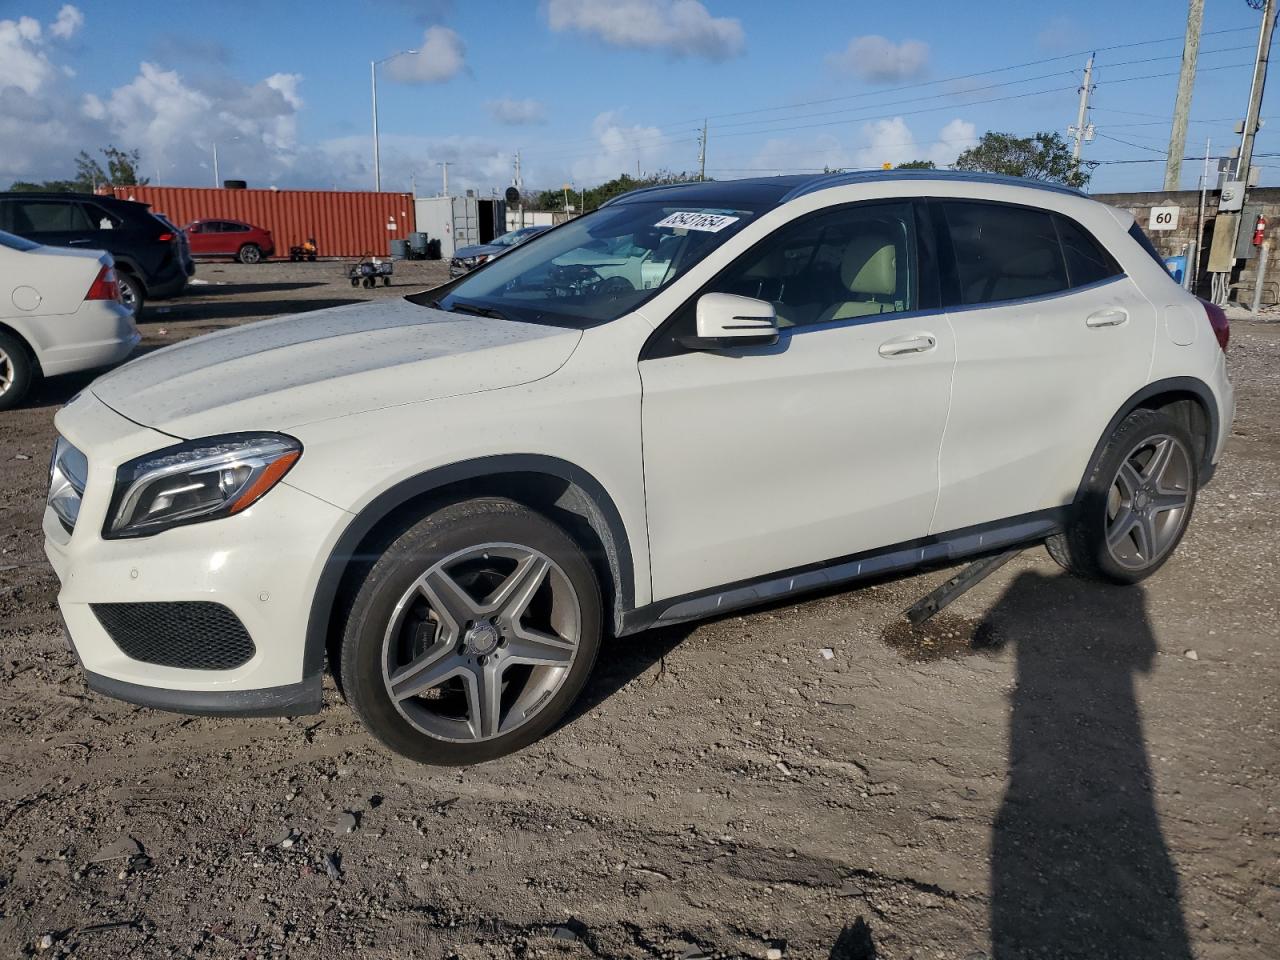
(476, 261)
(197, 480)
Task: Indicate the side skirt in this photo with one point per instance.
(935, 550)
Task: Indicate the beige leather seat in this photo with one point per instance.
(869, 270)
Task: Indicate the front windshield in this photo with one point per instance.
(510, 239)
(597, 267)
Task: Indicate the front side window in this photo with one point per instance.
(1004, 252)
(843, 264)
(596, 268)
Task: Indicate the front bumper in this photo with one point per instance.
(262, 564)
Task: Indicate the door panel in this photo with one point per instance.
(1036, 380)
(772, 458)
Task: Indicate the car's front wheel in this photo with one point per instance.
(472, 634)
(1136, 502)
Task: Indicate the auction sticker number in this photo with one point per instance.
(1163, 218)
(691, 220)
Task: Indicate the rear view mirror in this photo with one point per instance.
(726, 320)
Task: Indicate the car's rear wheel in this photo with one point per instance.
(18, 371)
(1136, 503)
(472, 634)
(131, 293)
(250, 253)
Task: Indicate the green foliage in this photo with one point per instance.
(1042, 156)
(918, 165)
(121, 171)
(593, 197)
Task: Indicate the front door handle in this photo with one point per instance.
(901, 346)
(1107, 318)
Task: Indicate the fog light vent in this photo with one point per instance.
(194, 635)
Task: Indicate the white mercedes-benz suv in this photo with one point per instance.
(694, 399)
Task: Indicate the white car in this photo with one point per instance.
(450, 498)
(60, 312)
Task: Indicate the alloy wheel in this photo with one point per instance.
(1148, 503)
(481, 642)
(7, 373)
(129, 297)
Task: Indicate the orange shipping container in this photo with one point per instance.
(345, 224)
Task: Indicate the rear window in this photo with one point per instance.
(16, 243)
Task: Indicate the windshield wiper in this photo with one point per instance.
(477, 310)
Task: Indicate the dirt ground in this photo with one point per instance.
(1054, 769)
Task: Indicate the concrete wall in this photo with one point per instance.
(1174, 242)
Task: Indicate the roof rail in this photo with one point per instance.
(829, 180)
(657, 186)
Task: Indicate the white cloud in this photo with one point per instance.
(441, 56)
(23, 63)
(879, 60)
(69, 22)
(891, 141)
(618, 149)
(515, 113)
(682, 28)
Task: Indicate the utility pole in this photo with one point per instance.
(1083, 130)
(1182, 105)
(702, 153)
(216, 181)
(1255, 93)
(444, 166)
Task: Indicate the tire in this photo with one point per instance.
(419, 649)
(18, 371)
(249, 253)
(1137, 500)
(132, 295)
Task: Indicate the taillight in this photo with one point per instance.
(1218, 320)
(105, 286)
(164, 238)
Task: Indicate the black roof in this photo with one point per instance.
(65, 195)
(778, 190)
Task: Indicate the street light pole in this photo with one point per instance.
(373, 85)
(216, 181)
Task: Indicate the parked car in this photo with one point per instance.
(60, 312)
(151, 258)
(694, 399)
(230, 238)
(466, 259)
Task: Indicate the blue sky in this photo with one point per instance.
(586, 89)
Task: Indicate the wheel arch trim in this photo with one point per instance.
(1191, 385)
(324, 595)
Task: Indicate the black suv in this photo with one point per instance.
(152, 258)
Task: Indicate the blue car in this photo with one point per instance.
(466, 259)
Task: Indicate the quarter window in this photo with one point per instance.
(1004, 252)
(1087, 262)
(844, 264)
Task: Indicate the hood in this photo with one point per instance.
(480, 250)
(315, 366)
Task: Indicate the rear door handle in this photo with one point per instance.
(901, 346)
(1107, 318)
(79, 241)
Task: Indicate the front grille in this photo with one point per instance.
(194, 635)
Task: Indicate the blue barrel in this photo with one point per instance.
(399, 249)
(1177, 267)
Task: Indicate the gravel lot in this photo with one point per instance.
(1054, 769)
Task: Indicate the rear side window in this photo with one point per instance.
(1087, 261)
(1004, 252)
(102, 219)
(48, 216)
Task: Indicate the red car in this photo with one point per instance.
(230, 238)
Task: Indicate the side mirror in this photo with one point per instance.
(726, 320)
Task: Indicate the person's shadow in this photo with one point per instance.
(1079, 866)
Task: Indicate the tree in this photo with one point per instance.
(1042, 156)
(593, 197)
(122, 171)
(918, 165)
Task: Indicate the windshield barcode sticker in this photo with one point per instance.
(689, 220)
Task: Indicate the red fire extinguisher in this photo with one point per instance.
(1259, 229)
